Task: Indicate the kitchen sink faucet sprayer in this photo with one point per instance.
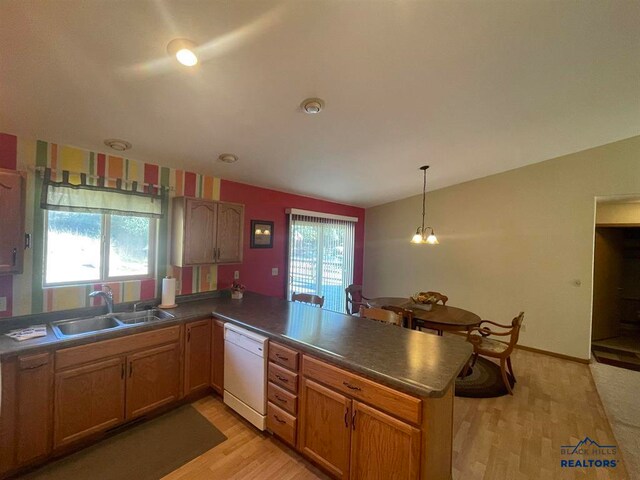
(107, 294)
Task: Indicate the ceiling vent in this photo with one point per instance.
(227, 158)
(116, 144)
(312, 105)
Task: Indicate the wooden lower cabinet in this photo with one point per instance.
(217, 355)
(382, 447)
(356, 441)
(197, 356)
(34, 392)
(325, 427)
(153, 379)
(88, 399)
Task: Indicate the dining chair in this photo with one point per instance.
(407, 315)
(354, 299)
(489, 347)
(381, 315)
(308, 298)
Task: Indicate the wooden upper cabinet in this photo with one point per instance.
(88, 399)
(197, 356)
(229, 233)
(383, 447)
(325, 427)
(153, 379)
(205, 232)
(12, 199)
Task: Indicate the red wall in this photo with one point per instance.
(8, 159)
(265, 204)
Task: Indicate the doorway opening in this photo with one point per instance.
(615, 332)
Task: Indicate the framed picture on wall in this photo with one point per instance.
(261, 234)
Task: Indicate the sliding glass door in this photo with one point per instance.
(321, 258)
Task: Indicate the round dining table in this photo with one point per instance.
(440, 318)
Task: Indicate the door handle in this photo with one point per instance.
(27, 240)
(130, 369)
(346, 417)
(353, 420)
(278, 419)
(14, 256)
(122, 371)
(282, 379)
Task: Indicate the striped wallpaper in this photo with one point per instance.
(28, 294)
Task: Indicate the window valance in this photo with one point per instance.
(122, 199)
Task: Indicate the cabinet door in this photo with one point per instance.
(229, 233)
(88, 400)
(217, 356)
(325, 427)
(153, 379)
(197, 356)
(12, 231)
(34, 402)
(382, 447)
(199, 232)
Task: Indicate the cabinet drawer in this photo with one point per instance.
(280, 397)
(283, 356)
(283, 377)
(281, 424)
(68, 357)
(396, 403)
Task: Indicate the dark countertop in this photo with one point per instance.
(415, 362)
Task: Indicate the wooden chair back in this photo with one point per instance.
(441, 298)
(381, 315)
(354, 299)
(308, 298)
(407, 315)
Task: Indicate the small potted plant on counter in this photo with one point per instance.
(237, 290)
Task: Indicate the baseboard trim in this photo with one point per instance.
(554, 354)
(543, 352)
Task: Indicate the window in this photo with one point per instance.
(97, 233)
(321, 250)
(94, 247)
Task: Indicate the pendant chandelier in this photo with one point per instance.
(421, 235)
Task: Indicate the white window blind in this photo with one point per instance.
(321, 250)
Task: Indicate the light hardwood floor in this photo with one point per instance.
(511, 438)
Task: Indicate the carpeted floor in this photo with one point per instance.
(147, 451)
(619, 389)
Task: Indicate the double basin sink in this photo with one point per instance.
(113, 321)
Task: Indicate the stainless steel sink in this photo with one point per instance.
(82, 326)
(87, 326)
(145, 316)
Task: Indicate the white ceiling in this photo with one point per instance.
(470, 87)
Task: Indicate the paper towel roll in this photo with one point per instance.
(168, 292)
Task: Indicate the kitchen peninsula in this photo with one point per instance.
(390, 388)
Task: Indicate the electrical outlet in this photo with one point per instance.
(3, 304)
(236, 275)
(274, 272)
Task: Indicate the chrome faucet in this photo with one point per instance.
(107, 295)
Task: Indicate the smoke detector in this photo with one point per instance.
(228, 158)
(116, 144)
(312, 105)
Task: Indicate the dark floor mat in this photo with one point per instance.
(148, 451)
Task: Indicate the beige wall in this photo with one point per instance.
(618, 213)
(520, 240)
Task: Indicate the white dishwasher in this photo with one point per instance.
(245, 373)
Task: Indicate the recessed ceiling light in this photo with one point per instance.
(183, 50)
(312, 105)
(228, 158)
(116, 144)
